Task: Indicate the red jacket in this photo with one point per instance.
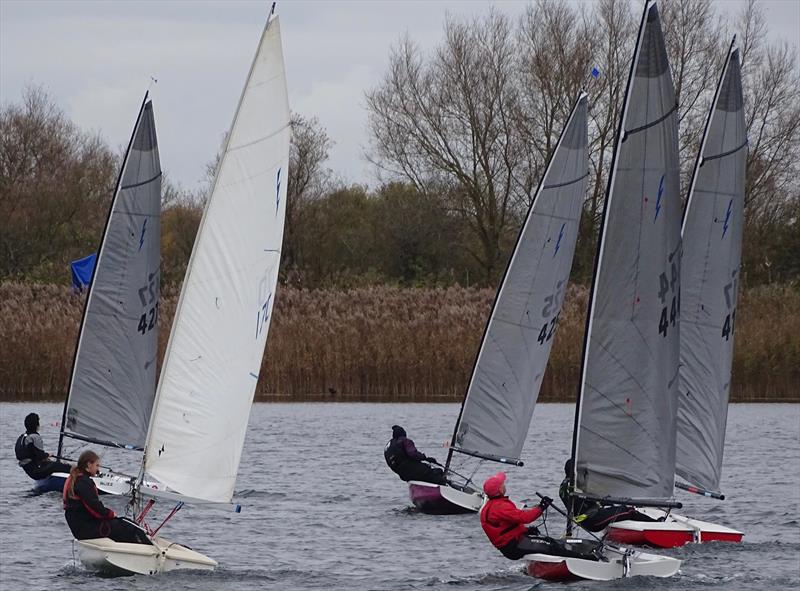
(504, 523)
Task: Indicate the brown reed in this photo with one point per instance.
(384, 343)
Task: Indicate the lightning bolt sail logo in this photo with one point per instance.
(558, 242)
(727, 218)
(658, 199)
(141, 238)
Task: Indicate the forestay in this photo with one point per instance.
(214, 355)
(513, 355)
(113, 378)
(624, 443)
(712, 244)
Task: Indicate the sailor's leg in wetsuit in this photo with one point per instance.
(413, 470)
(48, 469)
(125, 530)
(601, 518)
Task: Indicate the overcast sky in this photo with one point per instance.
(96, 59)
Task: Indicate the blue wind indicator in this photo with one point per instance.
(658, 199)
(278, 193)
(558, 242)
(141, 238)
(727, 218)
(595, 72)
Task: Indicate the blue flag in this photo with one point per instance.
(82, 271)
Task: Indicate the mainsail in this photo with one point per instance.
(511, 361)
(624, 441)
(712, 246)
(214, 354)
(114, 372)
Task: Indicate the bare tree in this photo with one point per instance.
(307, 179)
(446, 124)
(554, 45)
(55, 186)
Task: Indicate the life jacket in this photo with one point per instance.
(499, 535)
(22, 449)
(394, 454)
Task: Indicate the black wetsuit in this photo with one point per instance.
(37, 464)
(405, 460)
(594, 516)
(88, 518)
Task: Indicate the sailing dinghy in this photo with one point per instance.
(213, 359)
(623, 445)
(113, 378)
(712, 245)
(499, 402)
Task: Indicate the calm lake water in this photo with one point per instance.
(326, 512)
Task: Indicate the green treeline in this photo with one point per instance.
(399, 276)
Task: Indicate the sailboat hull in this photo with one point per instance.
(436, 499)
(673, 531)
(118, 558)
(53, 483)
(621, 563)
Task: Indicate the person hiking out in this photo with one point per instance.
(403, 457)
(32, 457)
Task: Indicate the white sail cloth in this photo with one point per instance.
(712, 247)
(114, 376)
(516, 346)
(625, 442)
(217, 343)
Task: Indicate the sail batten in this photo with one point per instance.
(712, 235)
(114, 371)
(215, 350)
(623, 443)
(510, 364)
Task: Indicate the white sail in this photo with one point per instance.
(624, 442)
(214, 355)
(511, 361)
(712, 246)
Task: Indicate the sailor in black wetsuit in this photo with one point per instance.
(85, 514)
(30, 453)
(592, 515)
(405, 460)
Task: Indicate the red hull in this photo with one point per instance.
(666, 538)
(550, 571)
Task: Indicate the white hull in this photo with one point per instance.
(441, 500)
(622, 563)
(674, 530)
(118, 558)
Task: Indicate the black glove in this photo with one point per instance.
(545, 502)
(432, 460)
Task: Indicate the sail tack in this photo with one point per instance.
(519, 335)
(113, 378)
(712, 246)
(624, 443)
(214, 355)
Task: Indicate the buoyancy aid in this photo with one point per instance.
(23, 449)
(394, 454)
(504, 523)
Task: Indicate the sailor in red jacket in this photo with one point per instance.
(505, 524)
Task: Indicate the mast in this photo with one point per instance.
(90, 291)
(565, 193)
(600, 241)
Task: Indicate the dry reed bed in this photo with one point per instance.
(383, 343)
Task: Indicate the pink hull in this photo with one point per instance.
(429, 500)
